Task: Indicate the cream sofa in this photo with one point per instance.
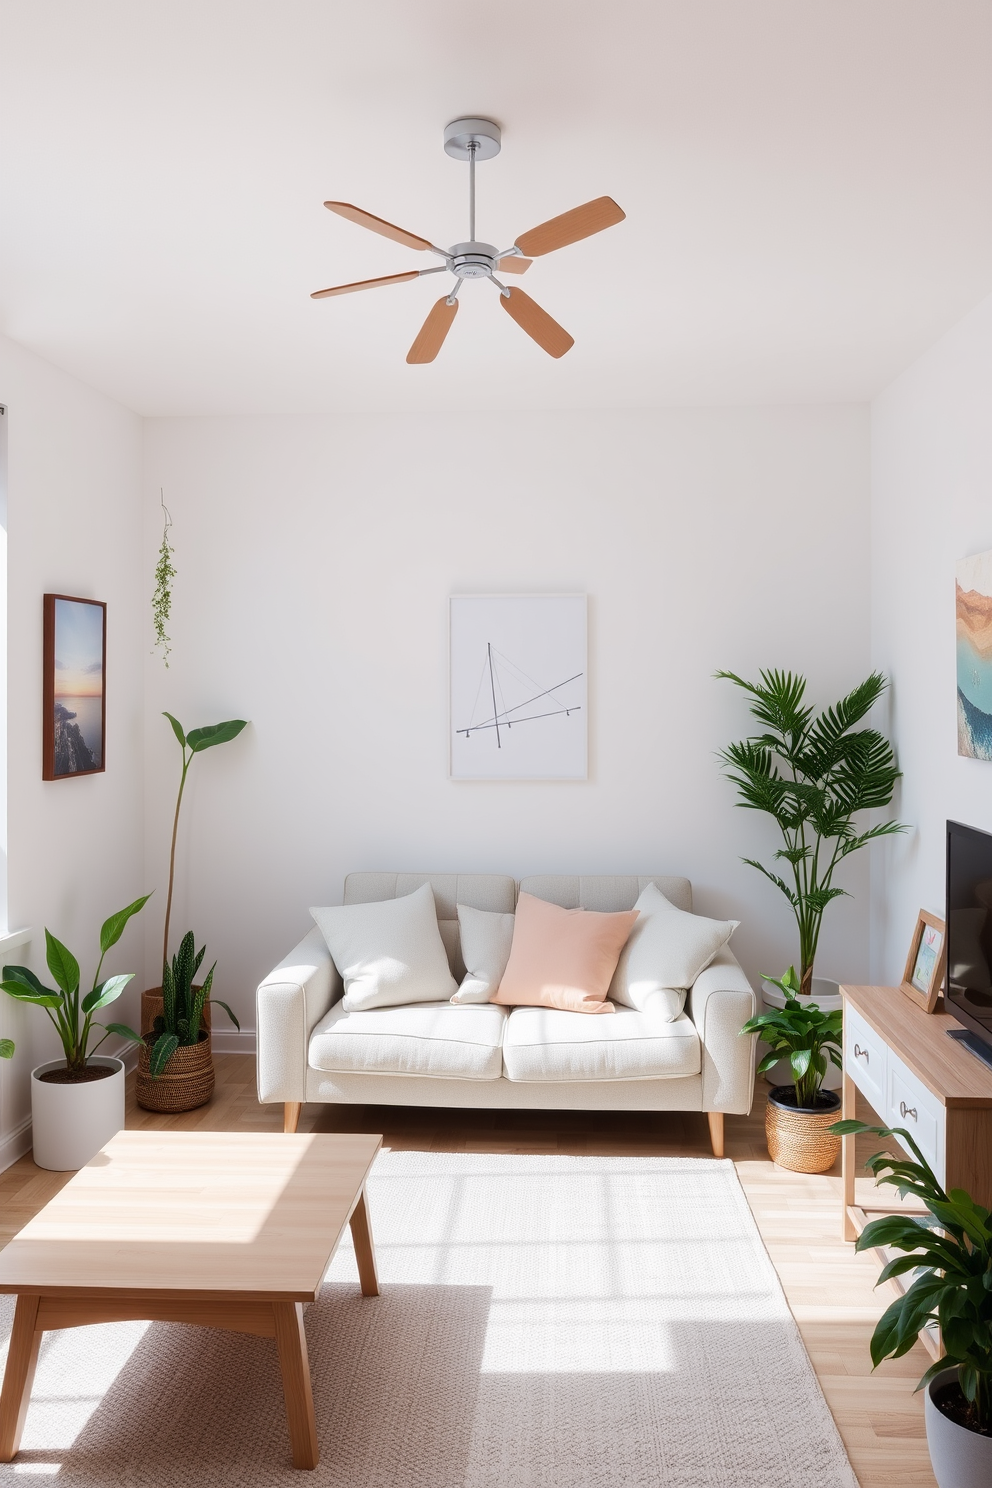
(438, 1054)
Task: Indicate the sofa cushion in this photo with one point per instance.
(666, 951)
(493, 891)
(547, 1044)
(389, 953)
(562, 958)
(485, 939)
(452, 1043)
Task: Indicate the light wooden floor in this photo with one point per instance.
(829, 1288)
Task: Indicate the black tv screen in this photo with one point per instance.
(968, 990)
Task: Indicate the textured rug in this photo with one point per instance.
(545, 1322)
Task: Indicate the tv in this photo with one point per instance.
(968, 981)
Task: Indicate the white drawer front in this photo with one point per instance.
(912, 1106)
(864, 1059)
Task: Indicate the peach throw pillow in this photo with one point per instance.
(563, 958)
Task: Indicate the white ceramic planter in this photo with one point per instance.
(70, 1123)
(826, 995)
(960, 1458)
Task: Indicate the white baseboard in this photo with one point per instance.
(15, 1143)
(231, 1041)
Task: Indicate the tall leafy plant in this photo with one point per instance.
(953, 1266)
(191, 744)
(70, 1012)
(812, 773)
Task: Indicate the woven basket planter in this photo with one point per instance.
(799, 1139)
(187, 1081)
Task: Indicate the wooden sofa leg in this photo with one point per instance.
(715, 1119)
(291, 1115)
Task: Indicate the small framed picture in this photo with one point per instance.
(924, 974)
(75, 702)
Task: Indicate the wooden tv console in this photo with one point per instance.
(914, 1076)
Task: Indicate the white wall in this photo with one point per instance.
(75, 846)
(315, 559)
(931, 505)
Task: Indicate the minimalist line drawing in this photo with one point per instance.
(518, 687)
(504, 716)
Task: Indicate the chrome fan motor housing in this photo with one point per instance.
(473, 260)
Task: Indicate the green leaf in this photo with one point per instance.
(123, 1031)
(214, 733)
(26, 977)
(6, 1048)
(62, 964)
(106, 992)
(162, 1051)
(112, 929)
(177, 728)
(25, 994)
(216, 1002)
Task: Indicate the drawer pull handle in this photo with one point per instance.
(905, 1110)
(860, 1053)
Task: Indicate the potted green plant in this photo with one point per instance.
(77, 1103)
(951, 1265)
(812, 773)
(171, 1062)
(190, 1064)
(798, 1117)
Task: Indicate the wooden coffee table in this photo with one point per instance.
(222, 1229)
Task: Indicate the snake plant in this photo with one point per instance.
(178, 1025)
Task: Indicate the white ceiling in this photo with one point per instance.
(807, 186)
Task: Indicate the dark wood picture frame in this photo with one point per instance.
(925, 997)
(75, 742)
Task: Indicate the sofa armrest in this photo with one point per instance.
(291, 1000)
(720, 1002)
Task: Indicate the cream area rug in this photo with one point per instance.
(545, 1322)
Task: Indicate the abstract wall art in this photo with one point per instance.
(518, 687)
(974, 656)
(75, 703)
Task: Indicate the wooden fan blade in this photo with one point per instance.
(571, 227)
(323, 294)
(513, 265)
(538, 324)
(378, 225)
(430, 337)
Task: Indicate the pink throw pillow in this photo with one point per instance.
(563, 958)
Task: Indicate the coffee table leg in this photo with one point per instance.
(291, 1342)
(361, 1234)
(25, 1340)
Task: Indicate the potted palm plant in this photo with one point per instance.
(190, 1057)
(951, 1264)
(77, 1103)
(798, 1116)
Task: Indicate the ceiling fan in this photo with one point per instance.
(474, 140)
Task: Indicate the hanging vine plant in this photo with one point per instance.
(162, 596)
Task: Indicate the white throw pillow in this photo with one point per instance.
(485, 940)
(388, 953)
(665, 953)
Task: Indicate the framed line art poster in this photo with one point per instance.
(75, 702)
(518, 687)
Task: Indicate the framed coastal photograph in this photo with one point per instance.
(75, 702)
(924, 974)
(518, 691)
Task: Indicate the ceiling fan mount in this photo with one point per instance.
(472, 140)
